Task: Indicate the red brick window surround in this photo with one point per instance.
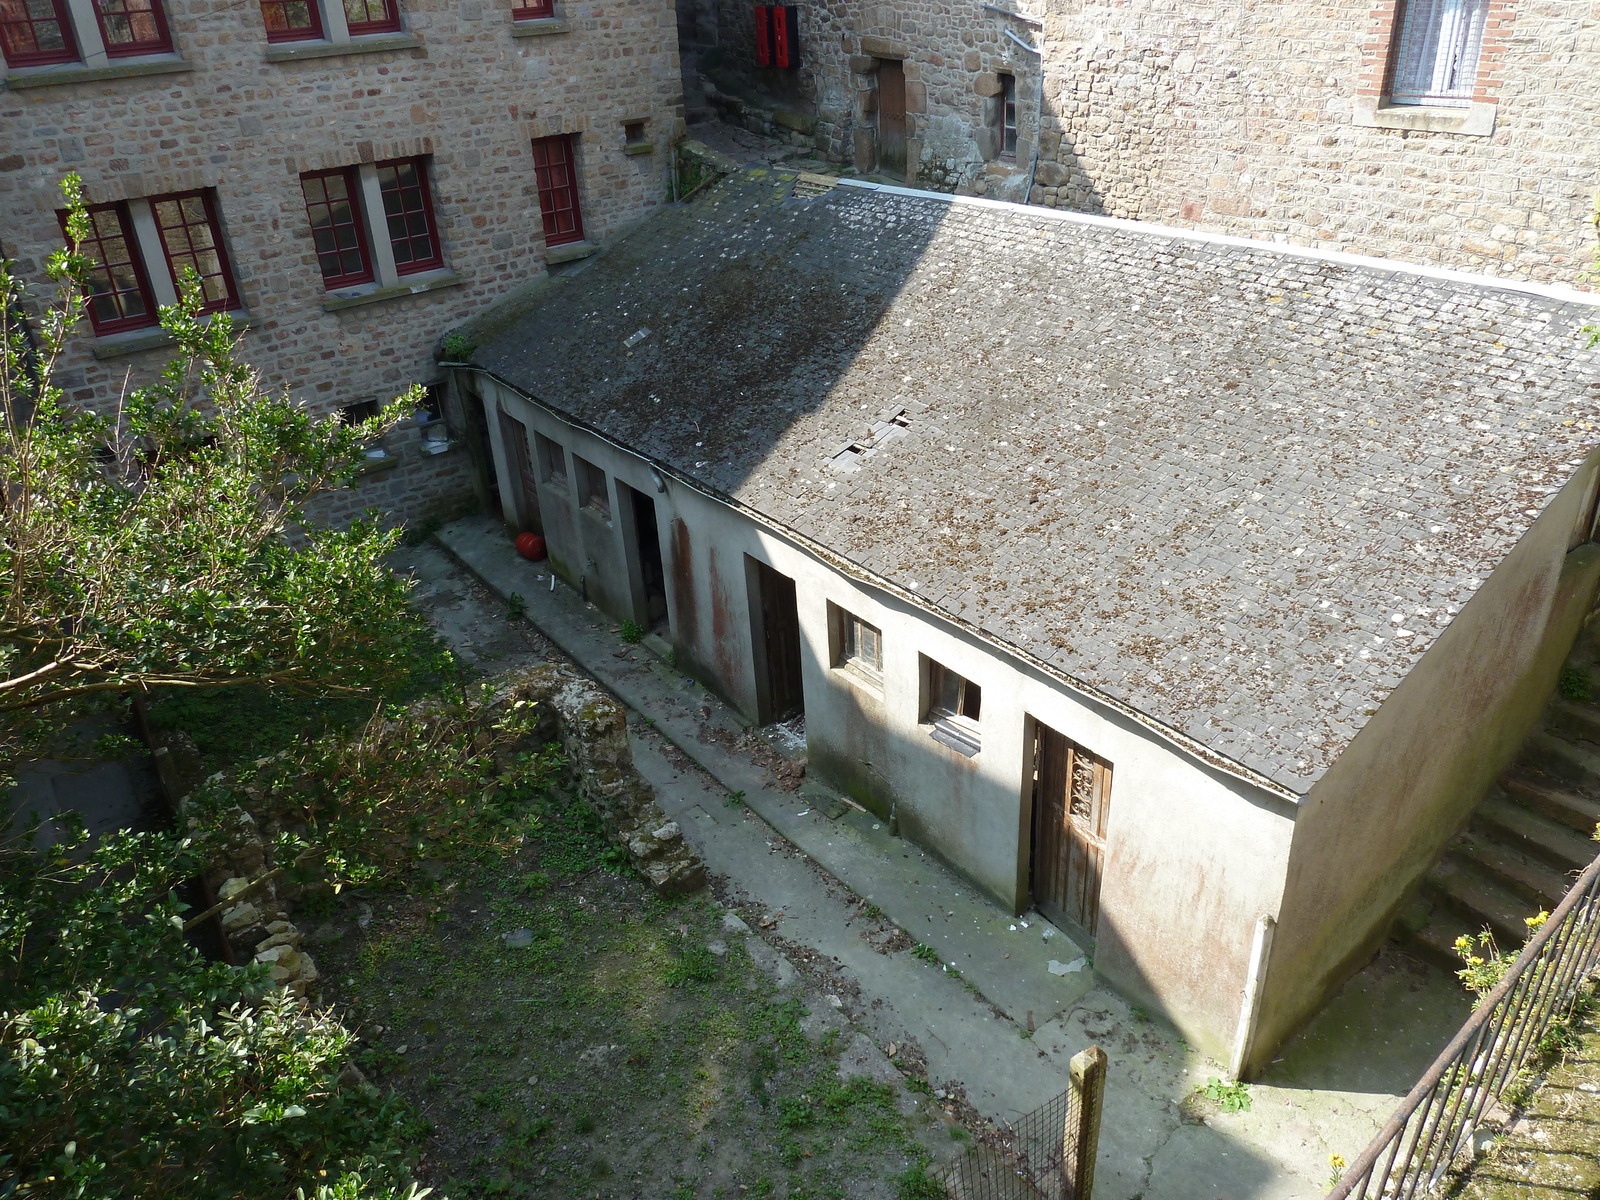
(1436, 53)
(191, 239)
(372, 16)
(292, 20)
(34, 33)
(130, 27)
(333, 204)
(533, 10)
(403, 183)
(555, 172)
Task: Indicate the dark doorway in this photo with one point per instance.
(1071, 797)
(891, 116)
(480, 451)
(775, 637)
(646, 539)
(514, 437)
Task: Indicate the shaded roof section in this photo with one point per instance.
(1238, 489)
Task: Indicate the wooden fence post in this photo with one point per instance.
(1081, 1137)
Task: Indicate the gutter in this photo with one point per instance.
(1180, 741)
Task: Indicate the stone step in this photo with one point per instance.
(1563, 760)
(1434, 941)
(1481, 901)
(1573, 720)
(1548, 798)
(1535, 835)
(1537, 883)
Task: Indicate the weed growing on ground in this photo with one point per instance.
(516, 607)
(925, 952)
(1574, 684)
(734, 800)
(631, 632)
(1230, 1097)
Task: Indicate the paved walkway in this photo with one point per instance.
(1001, 1031)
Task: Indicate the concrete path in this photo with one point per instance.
(995, 1023)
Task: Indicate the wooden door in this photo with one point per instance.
(647, 540)
(891, 116)
(1071, 798)
(776, 636)
(514, 437)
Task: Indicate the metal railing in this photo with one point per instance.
(1434, 1127)
(1048, 1154)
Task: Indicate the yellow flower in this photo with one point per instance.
(1336, 1161)
(1538, 919)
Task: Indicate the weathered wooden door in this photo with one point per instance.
(891, 116)
(776, 636)
(514, 437)
(1071, 798)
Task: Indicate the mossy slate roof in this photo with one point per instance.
(1238, 489)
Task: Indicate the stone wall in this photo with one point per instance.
(467, 87)
(1261, 121)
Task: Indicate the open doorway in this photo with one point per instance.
(514, 437)
(891, 117)
(643, 539)
(1071, 800)
(775, 640)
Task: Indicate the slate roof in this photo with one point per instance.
(1238, 489)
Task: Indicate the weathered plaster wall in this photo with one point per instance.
(1380, 817)
(1246, 119)
(470, 94)
(1194, 856)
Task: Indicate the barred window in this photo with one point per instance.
(1435, 56)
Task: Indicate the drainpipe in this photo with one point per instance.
(1038, 109)
(1260, 952)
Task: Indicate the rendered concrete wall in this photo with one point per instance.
(1194, 856)
(1381, 816)
(470, 93)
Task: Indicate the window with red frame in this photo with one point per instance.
(36, 32)
(333, 202)
(403, 183)
(555, 171)
(132, 27)
(372, 16)
(191, 238)
(533, 10)
(290, 20)
(119, 291)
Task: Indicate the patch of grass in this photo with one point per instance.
(695, 964)
(925, 952)
(516, 607)
(1574, 684)
(914, 1183)
(734, 800)
(631, 632)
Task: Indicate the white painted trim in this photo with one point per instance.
(156, 269)
(91, 47)
(383, 269)
(1255, 981)
(335, 28)
(1547, 291)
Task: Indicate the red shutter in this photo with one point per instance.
(763, 35)
(785, 46)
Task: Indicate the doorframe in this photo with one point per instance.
(628, 497)
(765, 704)
(1030, 758)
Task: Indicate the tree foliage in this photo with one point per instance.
(164, 543)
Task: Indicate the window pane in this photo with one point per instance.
(553, 167)
(290, 20)
(404, 186)
(35, 31)
(132, 26)
(192, 242)
(335, 220)
(118, 298)
(1435, 59)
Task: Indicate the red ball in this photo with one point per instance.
(530, 545)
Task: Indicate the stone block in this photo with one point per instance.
(986, 84)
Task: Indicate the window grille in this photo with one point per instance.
(1435, 59)
(36, 32)
(555, 172)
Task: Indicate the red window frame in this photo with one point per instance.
(408, 210)
(115, 277)
(359, 18)
(280, 17)
(21, 24)
(142, 24)
(555, 171)
(190, 233)
(533, 11)
(356, 241)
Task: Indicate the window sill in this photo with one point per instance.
(426, 281)
(373, 43)
(1476, 120)
(641, 148)
(862, 678)
(36, 77)
(375, 466)
(540, 27)
(568, 252)
(135, 341)
(961, 738)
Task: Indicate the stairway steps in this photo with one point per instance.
(1435, 941)
(1536, 882)
(1550, 799)
(1573, 720)
(1535, 835)
(1566, 761)
(1481, 901)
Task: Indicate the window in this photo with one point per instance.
(552, 461)
(555, 171)
(592, 491)
(633, 133)
(344, 204)
(952, 706)
(36, 33)
(857, 645)
(291, 20)
(371, 16)
(361, 410)
(339, 21)
(533, 10)
(1006, 116)
(1435, 57)
(139, 251)
(131, 27)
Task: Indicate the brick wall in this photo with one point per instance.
(470, 95)
(1257, 121)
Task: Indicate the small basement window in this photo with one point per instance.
(552, 460)
(1008, 116)
(361, 410)
(857, 645)
(952, 707)
(592, 489)
(635, 133)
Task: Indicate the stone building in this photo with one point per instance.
(351, 179)
(1184, 587)
(1459, 132)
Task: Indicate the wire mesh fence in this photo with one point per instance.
(1435, 1126)
(1048, 1154)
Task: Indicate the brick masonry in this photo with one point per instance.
(1254, 121)
(470, 94)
